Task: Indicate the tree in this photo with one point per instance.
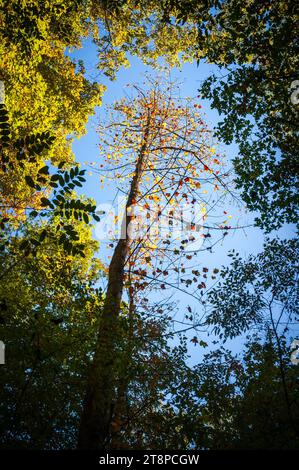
(49, 305)
(162, 156)
(251, 42)
(116, 27)
(261, 291)
(139, 28)
(47, 94)
(255, 46)
(50, 330)
(48, 101)
(166, 157)
(238, 401)
(50, 334)
(46, 97)
(59, 204)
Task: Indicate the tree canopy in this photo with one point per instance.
(98, 353)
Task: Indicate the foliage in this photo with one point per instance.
(240, 401)
(49, 307)
(256, 46)
(63, 205)
(117, 27)
(139, 28)
(47, 98)
(258, 291)
(224, 402)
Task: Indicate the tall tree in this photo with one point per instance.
(174, 175)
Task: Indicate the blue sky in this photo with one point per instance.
(85, 149)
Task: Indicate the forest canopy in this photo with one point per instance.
(99, 349)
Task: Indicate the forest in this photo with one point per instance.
(148, 231)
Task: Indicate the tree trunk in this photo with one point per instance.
(98, 405)
(121, 409)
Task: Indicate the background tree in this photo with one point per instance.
(49, 305)
(260, 292)
(237, 399)
(255, 45)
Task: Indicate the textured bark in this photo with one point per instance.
(100, 395)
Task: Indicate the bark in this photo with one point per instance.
(99, 400)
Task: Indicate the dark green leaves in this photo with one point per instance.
(253, 94)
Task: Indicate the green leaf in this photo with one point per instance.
(33, 214)
(30, 181)
(44, 170)
(42, 236)
(61, 180)
(45, 201)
